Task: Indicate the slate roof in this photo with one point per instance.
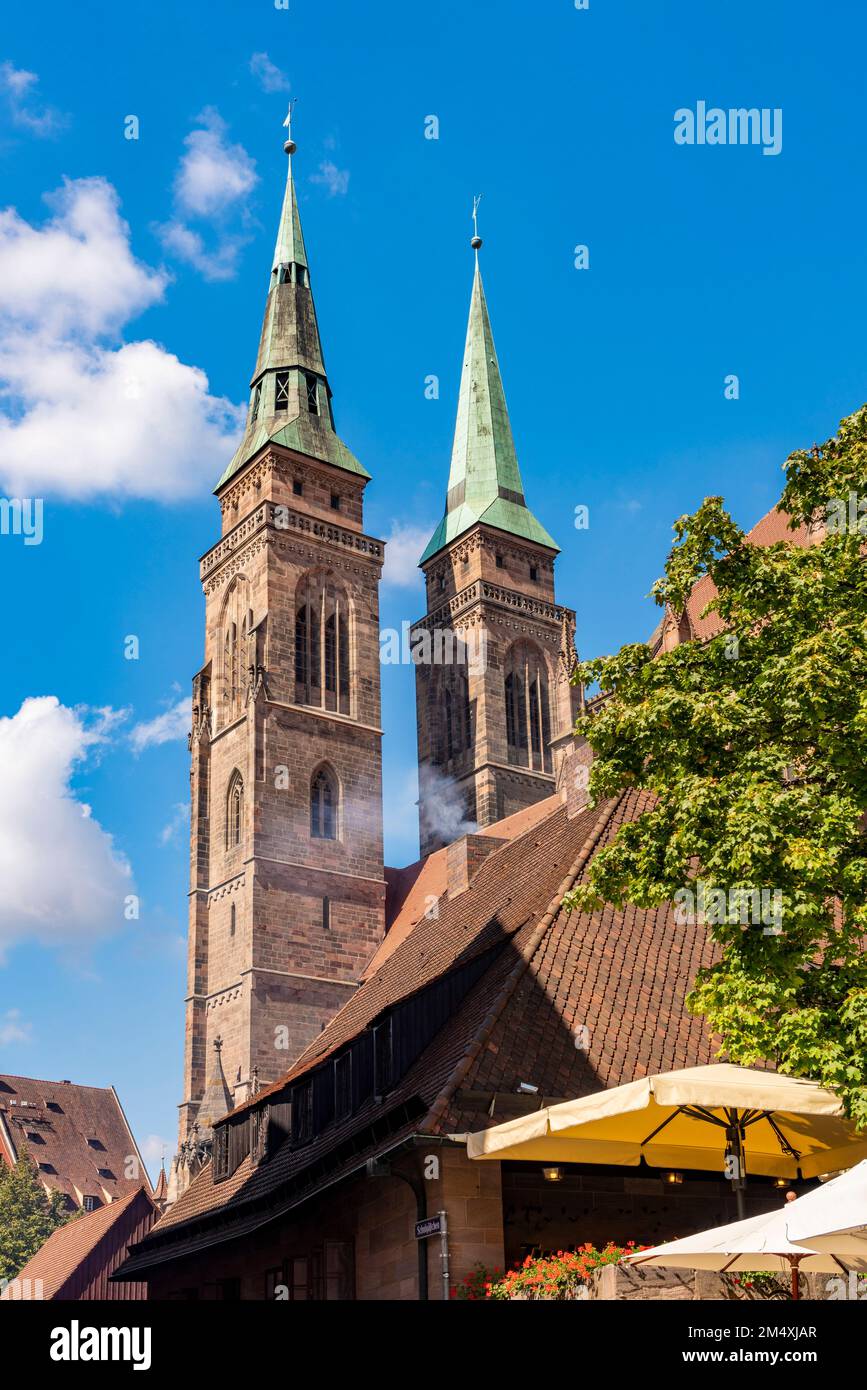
(622, 974)
(64, 1117)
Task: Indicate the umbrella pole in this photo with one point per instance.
(795, 1262)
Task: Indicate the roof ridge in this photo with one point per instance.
(526, 955)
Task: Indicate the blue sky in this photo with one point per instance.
(130, 306)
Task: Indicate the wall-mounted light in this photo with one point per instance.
(781, 1182)
(526, 1089)
(552, 1174)
(674, 1178)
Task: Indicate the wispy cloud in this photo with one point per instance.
(25, 111)
(403, 548)
(267, 74)
(172, 724)
(213, 180)
(179, 819)
(334, 180)
(13, 1028)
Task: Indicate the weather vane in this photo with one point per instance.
(289, 145)
(477, 240)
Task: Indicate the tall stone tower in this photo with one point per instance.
(492, 689)
(287, 889)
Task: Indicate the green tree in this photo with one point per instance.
(28, 1214)
(754, 745)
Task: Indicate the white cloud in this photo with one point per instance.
(64, 882)
(267, 74)
(76, 274)
(403, 549)
(83, 418)
(212, 173)
(172, 724)
(179, 820)
(18, 87)
(211, 185)
(154, 1149)
(335, 180)
(186, 244)
(13, 1028)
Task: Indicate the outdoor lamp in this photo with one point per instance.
(552, 1174)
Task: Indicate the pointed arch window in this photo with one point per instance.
(237, 623)
(323, 805)
(234, 810)
(257, 397)
(281, 392)
(322, 648)
(528, 708)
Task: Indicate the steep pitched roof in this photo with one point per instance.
(290, 343)
(484, 480)
(65, 1251)
(71, 1132)
(770, 530)
(622, 974)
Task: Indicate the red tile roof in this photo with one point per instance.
(81, 1253)
(71, 1132)
(773, 528)
(623, 975)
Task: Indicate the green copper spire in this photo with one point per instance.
(484, 480)
(290, 398)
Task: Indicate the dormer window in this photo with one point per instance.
(312, 394)
(281, 392)
(284, 274)
(91, 1203)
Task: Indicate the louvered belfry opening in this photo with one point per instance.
(322, 654)
(528, 709)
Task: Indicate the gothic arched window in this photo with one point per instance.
(528, 709)
(237, 623)
(234, 810)
(323, 805)
(322, 655)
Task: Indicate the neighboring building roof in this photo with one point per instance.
(77, 1258)
(71, 1133)
(411, 891)
(484, 480)
(770, 530)
(623, 975)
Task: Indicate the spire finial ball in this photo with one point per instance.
(476, 243)
(289, 147)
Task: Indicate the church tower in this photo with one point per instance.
(492, 689)
(287, 889)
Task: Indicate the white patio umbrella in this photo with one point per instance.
(760, 1244)
(717, 1117)
(833, 1217)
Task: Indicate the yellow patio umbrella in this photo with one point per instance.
(719, 1118)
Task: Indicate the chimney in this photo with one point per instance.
(464, 857)
(572, 782)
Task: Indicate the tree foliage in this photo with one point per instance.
(754, 744)
(28, 1214)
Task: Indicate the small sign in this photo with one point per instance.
(432, 1226)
